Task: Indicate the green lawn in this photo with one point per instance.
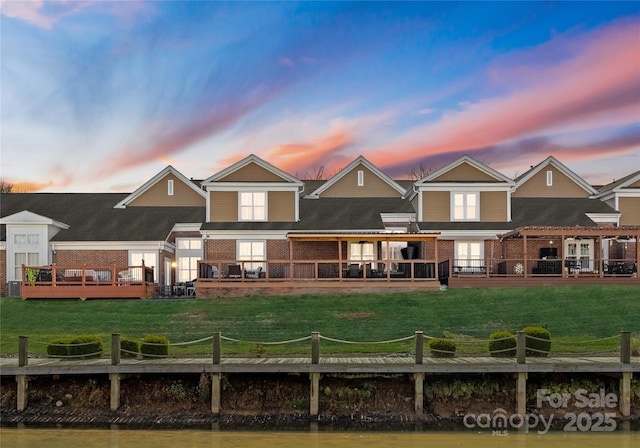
(570, 314)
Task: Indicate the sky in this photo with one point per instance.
(100, 96)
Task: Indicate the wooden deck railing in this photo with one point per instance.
(84, 281)
(316, 270)
(554, 267)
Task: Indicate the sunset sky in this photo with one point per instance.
(101, 96)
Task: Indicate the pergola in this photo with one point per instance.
(598, 233)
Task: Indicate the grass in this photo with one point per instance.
(572, 314)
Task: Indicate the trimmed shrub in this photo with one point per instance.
(502, 344)
(538, 341)
(86, 346)
(129, 348)
(58, 347)
(442, 348)
(154, 345)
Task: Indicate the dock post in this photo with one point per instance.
(115, 349)
(625, 394)
(521, 347)
(215, 392)
(625, 347)
(419, 393)
(521, 393)
(314, 377)
(314, 396)
(23, 384)
(216, 348)
(115, 391)
(419, 346)
(23, 351)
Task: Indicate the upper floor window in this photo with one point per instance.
(253, 206)
(465, 207)
(170, 187)
(549, 178)
(360, 178)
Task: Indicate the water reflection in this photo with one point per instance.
(119, 438)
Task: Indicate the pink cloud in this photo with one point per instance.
(45, 14)
(304, 157)
(600, 84)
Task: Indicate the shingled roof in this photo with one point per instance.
(329, 214)
(91, 216)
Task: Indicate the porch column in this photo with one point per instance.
(601, 262)
(340, 258)
(564, 270)
(290, 259)
(524, 263)
(437, 271)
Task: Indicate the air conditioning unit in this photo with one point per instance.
(15, 289)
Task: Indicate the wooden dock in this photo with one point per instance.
(315, 366)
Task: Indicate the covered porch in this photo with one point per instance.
(530, 256)
(351, 262)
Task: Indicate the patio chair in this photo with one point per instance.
(354, 270)
(253, 273)
(234, 271)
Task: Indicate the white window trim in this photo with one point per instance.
(453, 203)
(549, 178)
(248, 263)
(266, 206)
(360, 178)
(170, 187)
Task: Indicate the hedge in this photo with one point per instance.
(502, 344)
(153, 345)
(442, 348)
(538, 341)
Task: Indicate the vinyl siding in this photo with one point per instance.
(493, 206)
(630, 209)
(252, 173)
(183, 195)
(281, 206)
(464, 172)
(563, 186)
(436, 206)
(347, 186)
(224, 206)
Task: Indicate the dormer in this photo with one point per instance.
(551, 179)
(168, 188)
(252, 190)
(464, 190)
(623, 195)
(359, 179)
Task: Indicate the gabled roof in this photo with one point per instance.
(560, 167)
(247, 161)
(432, 177)
(346, 170)
(154, 180)
(619, 184)
(27, 217)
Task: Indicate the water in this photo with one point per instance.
(194, 438)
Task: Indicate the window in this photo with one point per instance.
(170, 187)
(188, 253)
(360, 178)
(253, 206)
(252, 250)
(395, 252)
(361, 251)
(189, 244)
(549, 178)
(469, 256)
(150, 260)
(465, 207)
(26, 258)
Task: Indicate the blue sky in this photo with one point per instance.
(100, 96)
